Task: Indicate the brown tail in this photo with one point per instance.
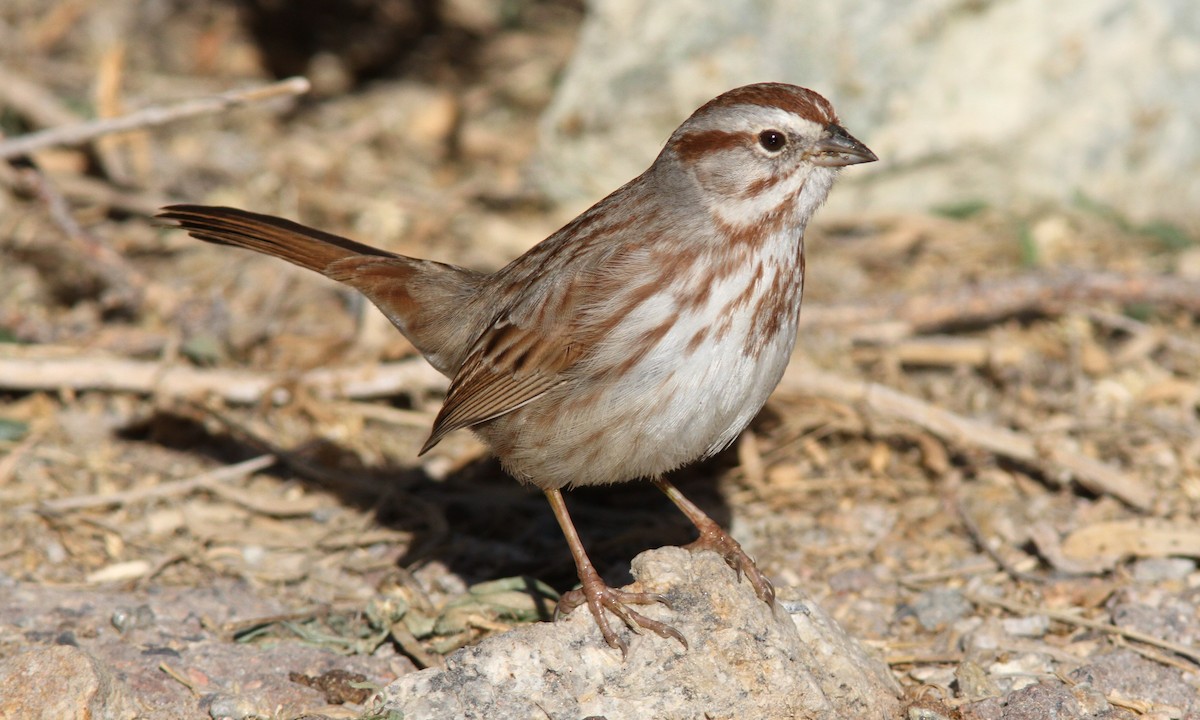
(307, 247)
(433, 304)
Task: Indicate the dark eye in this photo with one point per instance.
(772, 140)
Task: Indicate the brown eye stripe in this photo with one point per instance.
(695, 145)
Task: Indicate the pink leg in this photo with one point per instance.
(598, 595)
(712, 537)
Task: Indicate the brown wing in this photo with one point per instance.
(560, 301)
(510, 366)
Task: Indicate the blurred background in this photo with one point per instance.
(1023, 256)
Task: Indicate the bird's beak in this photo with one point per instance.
(838, 148)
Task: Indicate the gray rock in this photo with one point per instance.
(939, 607)
(744, 661)
(1148, 571)
(1047, 699)
(1005, 103)
(122, 640)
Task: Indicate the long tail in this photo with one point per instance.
(430, 302)
(305, 246)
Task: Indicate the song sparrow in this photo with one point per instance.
(645, 334)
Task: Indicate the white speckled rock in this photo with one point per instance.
(744, 661)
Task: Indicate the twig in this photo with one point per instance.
(162, 490)
(236, 629)
(1137, 327)
(1155, 655)
(33, 101)
(917, 579)
(946, 351)
(989, 303)
(124, 287)
(931, 658)
(1052, 459)
(387, 414)
(1070, 619)
(84, 132)
(49, 371)
(97, 192)
(8, 463)
(179, 678)
(412, 647)
(293, 460)
(976, 533)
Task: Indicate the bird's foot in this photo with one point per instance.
(712, 537)
(600, 597)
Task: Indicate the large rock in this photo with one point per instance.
(1011, 103)
(744, 661)
(60, 682)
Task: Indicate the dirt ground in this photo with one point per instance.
(984, 460)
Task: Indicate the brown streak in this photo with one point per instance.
(800, 101)
(644, 344)
(761, 185)
(693, 146)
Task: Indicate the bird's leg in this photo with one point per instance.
(598, 595)
(712, 537)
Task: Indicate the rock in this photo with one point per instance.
(88, 649)
(1120, 674)
(1124, 673)
(939, 607)
(1151, 570)
(1047, 699)
(60, 682)
(1001, 103)
(1032, 626)
(744, 661)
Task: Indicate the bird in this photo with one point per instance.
(642, 336)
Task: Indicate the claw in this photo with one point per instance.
(600, 597)
(735, 557)
(712, 537)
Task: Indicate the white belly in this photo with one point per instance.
(681, 401)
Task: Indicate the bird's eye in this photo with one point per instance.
(772, 140)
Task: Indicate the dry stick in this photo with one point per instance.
(98, 192)
(991, 302)
(33, 101)
(1137, 327)
(1066, 617)
(8, 463)
(30, 372)
(1151, 654)
(1054, 460)
(293, 460)
(976, 534)
(167, 489)
(84, 132)
(179, 678)
(124, 286)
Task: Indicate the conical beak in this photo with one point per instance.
(839, 148)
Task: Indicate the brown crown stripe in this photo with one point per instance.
(800, 101)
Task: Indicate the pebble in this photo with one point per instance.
(1154, 570)
(939, 607)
